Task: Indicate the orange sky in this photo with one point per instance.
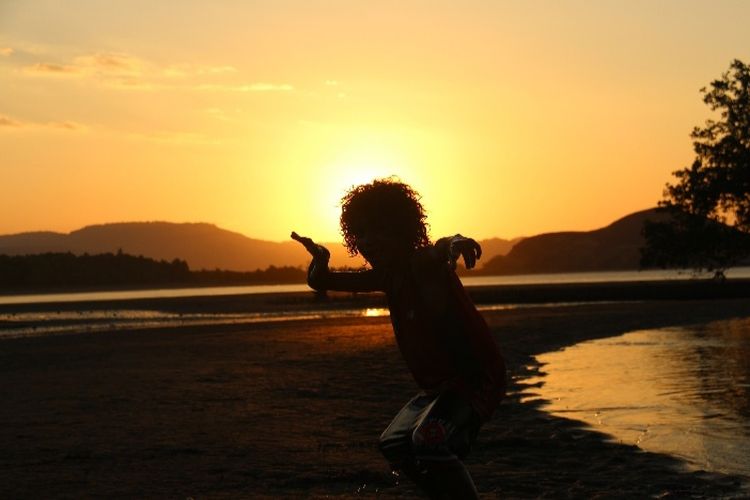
(511, 118)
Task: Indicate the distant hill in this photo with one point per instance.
(202, 246)
(496, 246)
(615, 247)
(69, 271)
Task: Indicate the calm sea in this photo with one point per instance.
(53, 321)
(684, 391)
(523, 279)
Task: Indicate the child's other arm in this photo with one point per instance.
(451, 248)
(319, 277)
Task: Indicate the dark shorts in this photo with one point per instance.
(431, 427)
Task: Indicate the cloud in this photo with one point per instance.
(97, 65)
(51, 69)
(112, 61)
(266, 87)
(111, 65)
(12, 125)
(177, 138)
(66, 125)
(9, 122)
(189, 70)
(127, 72)
(6, 51)
(117, 65)
(252, 87)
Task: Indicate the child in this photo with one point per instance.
(444, 340)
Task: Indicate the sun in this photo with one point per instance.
(353, 169)
(354, 174)
(351, 157)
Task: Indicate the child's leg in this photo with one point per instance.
(443, 435)
(426, 439)
(396, 441)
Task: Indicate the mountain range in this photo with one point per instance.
(203, 246)
(206, 246)
(611, 248)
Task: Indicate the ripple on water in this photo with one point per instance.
(684, 391)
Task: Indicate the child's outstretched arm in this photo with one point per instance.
(451, 248)
(319, 277)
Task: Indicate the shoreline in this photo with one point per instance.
(493, 294)
(283, 410)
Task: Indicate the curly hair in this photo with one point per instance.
(387, 204)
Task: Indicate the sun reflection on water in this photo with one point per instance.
(682, 391)
(375, 312)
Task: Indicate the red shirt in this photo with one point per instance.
(449, 347)
(444, 340)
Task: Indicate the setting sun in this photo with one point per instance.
(359, 164)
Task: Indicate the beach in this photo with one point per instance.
(294, 409)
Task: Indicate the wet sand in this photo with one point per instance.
(294, 409)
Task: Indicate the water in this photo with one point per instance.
(35, 324)
(523, 279)
(42, 298)
(684, 391)
(596, 277)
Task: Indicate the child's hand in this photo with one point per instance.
(466, 247)
(317, 251)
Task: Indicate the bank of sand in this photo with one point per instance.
(294, 409)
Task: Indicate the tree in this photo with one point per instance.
(708, 227)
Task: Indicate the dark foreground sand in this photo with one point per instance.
(295, 409)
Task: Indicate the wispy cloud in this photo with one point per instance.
(51, 69)
(251, 87)
(6, 51)
(176, 137)
(7, 123)
(66, 125)
(190, 70)
(112, 64)
(12, 125)
(100, 65)
(128, 72)
(226, 115)
(119, 64)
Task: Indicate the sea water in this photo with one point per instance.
(469, 281)
(684, 391)
(35, 324)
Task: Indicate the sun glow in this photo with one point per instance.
(357, 166)
(375, 312)
(505, 123)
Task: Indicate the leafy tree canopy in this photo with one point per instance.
(709, 203)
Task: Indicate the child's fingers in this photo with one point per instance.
(478, 249)
(302, 239)
(469, 259)
(308, 243)
(467, 248)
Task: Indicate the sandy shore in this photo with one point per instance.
(294, 409)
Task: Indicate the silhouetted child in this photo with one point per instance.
(443, 338)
